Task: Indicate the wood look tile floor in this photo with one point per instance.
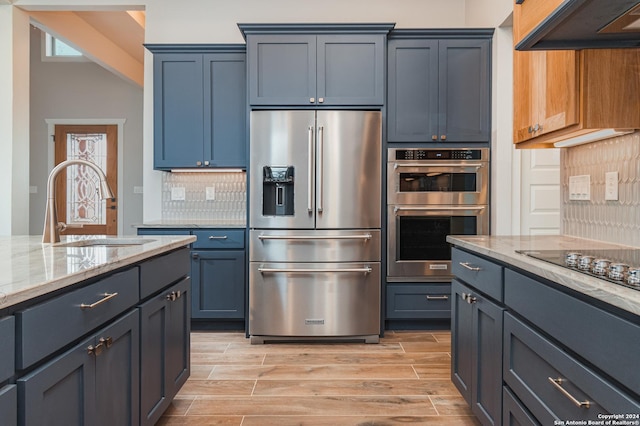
(402, 380)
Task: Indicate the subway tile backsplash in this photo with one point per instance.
(613, 221)
(215, 198)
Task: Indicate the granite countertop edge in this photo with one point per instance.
(503, 249)
(36, 269)
(187, 225)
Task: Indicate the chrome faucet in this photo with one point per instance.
(51, 232)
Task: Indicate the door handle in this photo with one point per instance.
(557, 383)
(216, 237)
(310, 173)
(366, 270)
(468, 266)
(106, 296)
(463, 165)
(320, 165)
(439, 208)
(315, 237)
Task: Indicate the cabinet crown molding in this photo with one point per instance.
(317, 28)
(439, 33)
(195, 48)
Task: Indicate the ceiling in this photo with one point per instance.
(124, 29)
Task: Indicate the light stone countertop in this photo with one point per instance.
(29, 268)
(190, 224)
(503, 249)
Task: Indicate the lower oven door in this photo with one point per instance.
(314, 299)
(417, 249)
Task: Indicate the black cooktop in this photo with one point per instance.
(619, 266)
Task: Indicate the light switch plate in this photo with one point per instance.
(611, 186)
(178, 193)
(210, 193)
(580, 187)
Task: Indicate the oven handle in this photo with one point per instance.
(315, 237)
(475, 165)
(438, 208)
(366, 270)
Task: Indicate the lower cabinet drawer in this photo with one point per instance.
(219, 239)
(9, 405)
(419, 301)
(483, 274)
(7, 347)
(554, 385)
(49, 326)
(161, 271)
(513, 413)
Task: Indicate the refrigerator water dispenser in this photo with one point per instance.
(277, 191)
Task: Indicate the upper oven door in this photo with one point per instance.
(450, 183)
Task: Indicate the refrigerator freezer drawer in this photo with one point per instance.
(314, 299)
(356, 245)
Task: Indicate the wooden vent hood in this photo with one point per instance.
(578, 24)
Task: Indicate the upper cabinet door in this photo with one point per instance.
(282, 69)
(413, 90)
(177, 110)
(225, 129)
(350, 70)
(439, 86)
(464, 82)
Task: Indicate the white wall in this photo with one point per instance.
(14, 121)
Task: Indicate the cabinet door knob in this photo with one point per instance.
(95, 350)
(198, 163)
(206, 163)
(443, 137)
(320, 100)
(434, 137)
(312, 100)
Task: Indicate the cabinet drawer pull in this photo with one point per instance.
(558, 385)
(216, 237)
(442, 297)
(106, 297)
(470, 267)
(173, 296)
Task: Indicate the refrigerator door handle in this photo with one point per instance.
(315, 237)
(365, 270)
(320, 165)
(310, 172)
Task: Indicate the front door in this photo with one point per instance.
(77, 188)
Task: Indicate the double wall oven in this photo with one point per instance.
(433, 193)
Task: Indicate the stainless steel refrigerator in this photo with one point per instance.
(315, 215)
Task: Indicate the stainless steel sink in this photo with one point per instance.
(105, 242)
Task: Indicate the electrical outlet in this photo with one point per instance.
(178, 193)
(580, 187)
(611, 186)
(138, 189)
(210, 193)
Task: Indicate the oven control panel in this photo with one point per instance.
(438, 154)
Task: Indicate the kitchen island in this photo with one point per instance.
(533, 342)
(93, 330)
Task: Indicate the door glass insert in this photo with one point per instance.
(84, 205)
(424, 237)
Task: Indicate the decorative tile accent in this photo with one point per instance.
(217, 198)
(613, 221)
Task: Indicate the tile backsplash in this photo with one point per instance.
(613, 221)
(215, 198)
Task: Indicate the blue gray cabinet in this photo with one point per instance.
(476, 332)
(417, 301)
(217, 271)
(439, 86)
(82, 387)
(555, 351)
(9, 404)
(164, 356)
(199, 108)
(315, 64)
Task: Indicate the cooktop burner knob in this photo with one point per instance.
(585, 262)
(617, 271)
(600, 266)
(633, 276)
(572, 258)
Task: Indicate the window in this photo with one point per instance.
(54, 49)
